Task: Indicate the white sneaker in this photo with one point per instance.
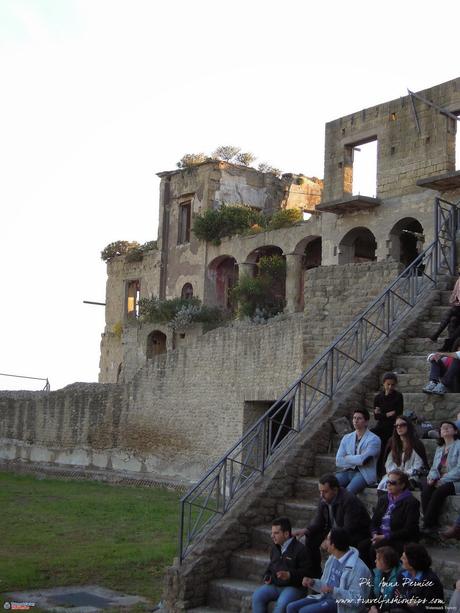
(440, 389)
(429, 387)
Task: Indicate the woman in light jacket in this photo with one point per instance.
(444, 477)
(406, 452)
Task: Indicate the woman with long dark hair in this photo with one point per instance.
(406, 452)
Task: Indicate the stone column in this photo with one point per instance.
(246, 268)
(293, 282)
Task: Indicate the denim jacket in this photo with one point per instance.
(369, 445)
(453, 466)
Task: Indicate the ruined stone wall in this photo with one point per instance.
(178, 415)
(405, 154)
(335, 295)
(119, 273)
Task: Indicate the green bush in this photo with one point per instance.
(285, 218)
(117, 248)
(179, 312)
(230, 219)
(273, 266)
(191, 159)
(251, 293)
(137, 253)
(133, 251)
(262, 296)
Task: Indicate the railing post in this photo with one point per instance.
(181, 532)
(436, 236)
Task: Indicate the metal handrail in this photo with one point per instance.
(46, 388)
(231, 476)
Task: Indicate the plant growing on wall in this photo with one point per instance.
(262, 295)
(192, 159)
(230, 219)
(285, 218)
(117, 329)
(133, 251)
(117, 248)
(178, 313)
(226, 153)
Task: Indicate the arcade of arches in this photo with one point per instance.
(405, 242)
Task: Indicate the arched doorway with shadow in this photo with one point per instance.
(358, 245)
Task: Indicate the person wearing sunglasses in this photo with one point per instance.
(395, 520)
(405, 452)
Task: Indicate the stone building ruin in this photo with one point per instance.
(415, 140)
(169, 403)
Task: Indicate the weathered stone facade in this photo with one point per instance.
(185, 396)
(415, 149)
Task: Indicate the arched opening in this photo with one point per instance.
(310, 252)
(187, 292)
(269, 261)
(356, 246)
(406, 240)
(223, 276)
(156, 344)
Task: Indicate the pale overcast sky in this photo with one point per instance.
(99, 95)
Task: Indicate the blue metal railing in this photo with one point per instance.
(233, 474)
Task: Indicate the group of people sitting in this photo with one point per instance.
(375, 563)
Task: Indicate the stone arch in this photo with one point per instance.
(187, 291)
(307, 254)
(156, 344)
(255, 255)
(358, 245)
(251, 268)
(222, 277)
(405, 240)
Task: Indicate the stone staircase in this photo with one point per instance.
(234, 592)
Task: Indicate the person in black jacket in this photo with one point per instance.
(289, 563)
(388, 404)
(418, 588)
(337, 508)
(395, 520)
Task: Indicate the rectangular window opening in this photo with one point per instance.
(365, 169)
(133, 294)
(185, 215)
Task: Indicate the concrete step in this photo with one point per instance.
(421, 345)
(412, 363)
(409, 382)
(427, 406)
(227, 594)
(444, 297)
(324, 463)
(307, 489)
(299, 510)
(250, 564)
(438, 312)
(445, 565)
(426, 327)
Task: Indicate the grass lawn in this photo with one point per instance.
(56, 533)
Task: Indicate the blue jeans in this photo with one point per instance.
(283, 596)
(313, 605)
(352, 480)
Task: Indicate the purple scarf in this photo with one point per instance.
(392, 503)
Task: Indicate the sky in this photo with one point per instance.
(97, 96)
